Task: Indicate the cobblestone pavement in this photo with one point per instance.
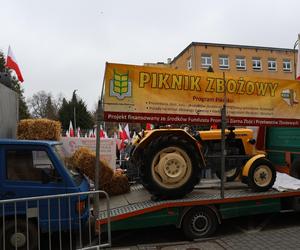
(284, 238)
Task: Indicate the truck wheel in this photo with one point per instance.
(199, 222)
(262, 175)
(295, 169)
(18, 239)
(171, 168)
(230, 174)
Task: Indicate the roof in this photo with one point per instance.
(28, 142)
(230, 46)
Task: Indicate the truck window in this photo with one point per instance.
(28, 165)
(61, 154)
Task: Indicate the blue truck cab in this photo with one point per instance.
(36, 168)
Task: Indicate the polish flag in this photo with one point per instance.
(71, 130)
(298, 60)
(11, 63)
(102, 132)
(126, 132)
(121, 133)
(149, 126)
(123, 137)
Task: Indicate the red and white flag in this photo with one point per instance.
(126, 132)
(298, 59)
(102, 132)
(121, 133)
(123, 137)
(11, 63)
(71, 130)
(149, 126)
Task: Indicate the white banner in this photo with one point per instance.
(107, 147)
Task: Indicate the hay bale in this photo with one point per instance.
(39, 129)
(118, 185)
(75, 158)
(85, 160)
(112, 182)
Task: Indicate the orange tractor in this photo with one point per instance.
(170, 161)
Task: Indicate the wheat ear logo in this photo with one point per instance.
(289, 96)
(120, 85)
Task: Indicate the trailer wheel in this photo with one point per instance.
(230, 174)
(18, 239)
(262, 175)
(295, 169)
(171, 168)
(199, 222)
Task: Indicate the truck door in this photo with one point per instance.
(26, 174)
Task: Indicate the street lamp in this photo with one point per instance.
(74, 109)
(294, 48)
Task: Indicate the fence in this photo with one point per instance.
(64, 221)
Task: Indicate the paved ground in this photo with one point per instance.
(285, 238)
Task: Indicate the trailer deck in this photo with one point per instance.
(138, 201)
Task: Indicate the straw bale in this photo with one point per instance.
(118, 185)
(112, 182)
(39, 129)
(76, 157)
(85, 160)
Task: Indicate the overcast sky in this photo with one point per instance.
(62, 45)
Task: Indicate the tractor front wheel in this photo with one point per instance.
(262, 175)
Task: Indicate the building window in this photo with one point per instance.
(240, 63)
(256, 64)
(189, 64)
(223, 62)
(286, 65)
(272, 65)
(206, 61)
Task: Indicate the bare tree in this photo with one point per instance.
(38, 104)
(43, 105)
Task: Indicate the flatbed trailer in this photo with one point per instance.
(199, 213)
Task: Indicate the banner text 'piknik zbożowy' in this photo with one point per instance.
(164, 95)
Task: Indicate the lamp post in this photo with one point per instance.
(294, 50)
(74, 110)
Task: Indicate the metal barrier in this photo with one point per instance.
(63, 221)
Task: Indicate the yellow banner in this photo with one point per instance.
(164, 95)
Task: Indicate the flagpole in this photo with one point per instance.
(97, 166)
(294, 50)
(223, 147)
(74, 110)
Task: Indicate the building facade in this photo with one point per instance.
(237, 60)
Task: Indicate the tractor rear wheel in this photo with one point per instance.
(171, 167)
